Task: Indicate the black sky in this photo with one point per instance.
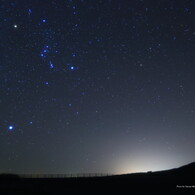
(96, 85)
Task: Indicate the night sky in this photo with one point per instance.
(96, 86)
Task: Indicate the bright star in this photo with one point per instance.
(15, 26)
(11, 127)
(72, 68)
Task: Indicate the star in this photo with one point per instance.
(15, 26)
(29, 11)
(51, 64)
(141, 65)
(10, 127)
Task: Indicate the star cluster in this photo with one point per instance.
(96, 86)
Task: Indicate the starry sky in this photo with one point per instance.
(96, 86)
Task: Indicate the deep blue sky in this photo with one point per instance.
(96, 85)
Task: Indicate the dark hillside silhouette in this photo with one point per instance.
(175, 181)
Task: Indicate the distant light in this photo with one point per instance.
(43, 20)
(11, 127)
(15, 26)
(30, 122)
(46, 83)
(72, 68)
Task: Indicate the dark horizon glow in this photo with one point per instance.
(96, 86)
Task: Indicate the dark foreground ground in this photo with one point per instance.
(175, 181)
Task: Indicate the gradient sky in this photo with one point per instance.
(104, 86)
